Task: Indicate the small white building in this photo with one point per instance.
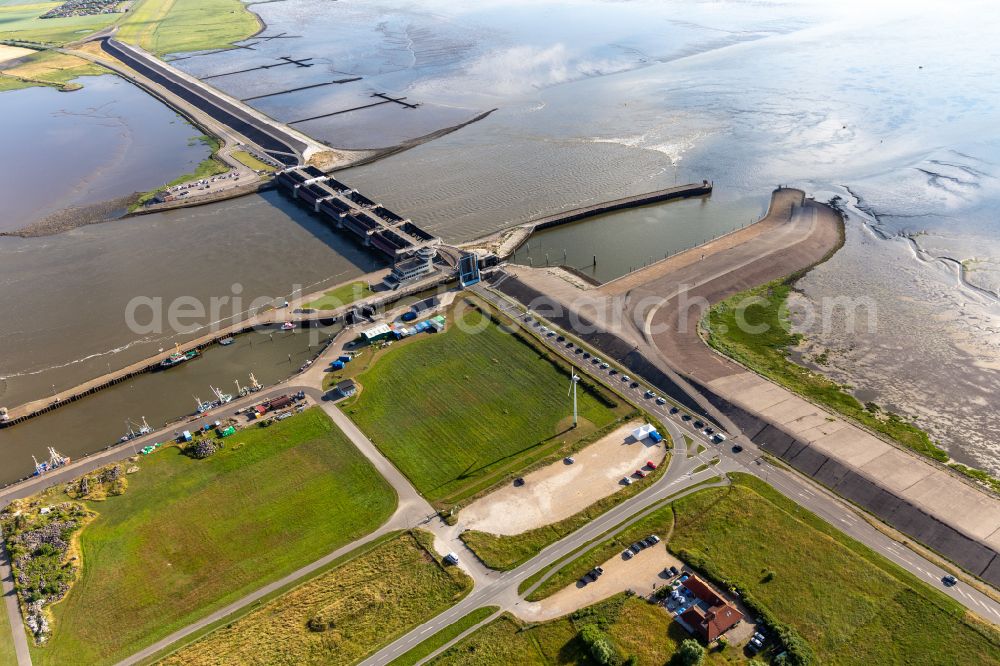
(642, 432)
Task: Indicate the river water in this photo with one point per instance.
(891, 106)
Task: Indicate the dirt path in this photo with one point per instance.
(560, 490)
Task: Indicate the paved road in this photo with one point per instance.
(277, 142)
(12, 609)
(796, 487)
(500, 588)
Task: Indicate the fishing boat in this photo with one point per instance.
(55, 461)
(288, 326)
(178, 357)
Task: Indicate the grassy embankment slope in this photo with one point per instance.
(190, 535)
(635, 628)
(342, 295)
(458, 411)
(767, 353)
(343, 615)
(850, 604)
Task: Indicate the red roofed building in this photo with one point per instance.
(720, 617)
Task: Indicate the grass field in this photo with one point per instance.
(508, 552)
(249, 160)
(442, 637)
(21, 21)
(458, 410)
(767, 353)
(7, 654)
(340, 616)
(636, 629)
(850, 604)
(342, 295)
(190, 535)
(172, 26)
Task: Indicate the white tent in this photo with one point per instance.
(642, 431)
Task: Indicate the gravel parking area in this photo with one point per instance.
(560, 490)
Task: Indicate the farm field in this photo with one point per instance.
(173, 26)
(342, 615)
(21, 21)
(849, 604)
(635, 628)
(457, 411)
(189, 536)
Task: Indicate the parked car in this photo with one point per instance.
(708, 431)
(578, 351)
(605, 366)
(634, 385)
(569, 343)
(674, 571)
(626, 378)
(626, 481)
(699, 424)
(653, 538)
(674, 410)
(685, 417)
(639, 473)
(612, 372)
(737, 448)
(519, 481)
(586, 354)
(648, 393)
(569, 460)
(719, 437)
(550, 334)
(661, 401)
(560, 338)
(635, 548)
(650, 464)
(627, 554)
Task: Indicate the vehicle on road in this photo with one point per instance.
(626, 378)
(699, 424)
(586, 354)
(661, 401)
(708, 431)
(634, 385)
(737, 448)
(518, 482)
(578, 351)
(550, 334)
(604, 366)
(949, 580)
(612, 372)
(685, 417)
(569, 343)
(451, 558)
(674, 410)
(569, 460)
(648, 393)
(560, 338)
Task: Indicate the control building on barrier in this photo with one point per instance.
(411, 249)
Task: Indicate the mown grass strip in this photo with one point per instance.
(443, 637)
